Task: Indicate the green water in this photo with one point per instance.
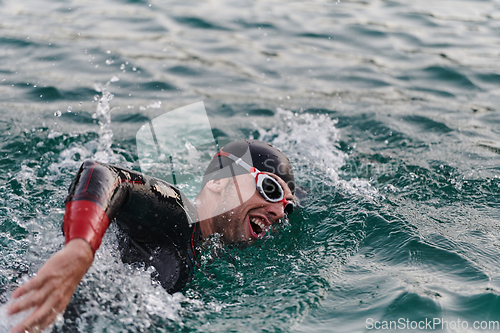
(387, 109)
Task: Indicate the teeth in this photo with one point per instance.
(259, 223)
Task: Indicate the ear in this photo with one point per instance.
(216, 185)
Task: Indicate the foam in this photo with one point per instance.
(8, 322)
(98, 150)
(131, 290)
(311, 142)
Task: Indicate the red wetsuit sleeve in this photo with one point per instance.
(87, 220)
(95, 196)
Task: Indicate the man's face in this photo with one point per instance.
(253, 215)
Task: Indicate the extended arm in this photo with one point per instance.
(94, 198)
(148, 209)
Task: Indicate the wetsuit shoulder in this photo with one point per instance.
(156, 218)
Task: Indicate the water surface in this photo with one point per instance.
(387, 109)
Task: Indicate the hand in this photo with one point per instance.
(50, 291)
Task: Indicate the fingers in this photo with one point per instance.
(30, 300)
(48, 303)
(33, 286)
(38, 320)
(50, 291)
(34, 283)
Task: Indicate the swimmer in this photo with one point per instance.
(240, 199)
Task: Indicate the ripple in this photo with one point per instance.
(185, 70)
(198, 23)
(157, 86)
(489, 78)
(450, 75)
(15, 42)
(428, 124)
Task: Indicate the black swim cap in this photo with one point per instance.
(258, 154)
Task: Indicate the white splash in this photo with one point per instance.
(139, 298)
(100, 150)
(103, 113)
(311, 142)
(8, 322)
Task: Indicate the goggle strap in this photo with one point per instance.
(236, 160)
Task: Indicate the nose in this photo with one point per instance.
(277, 210)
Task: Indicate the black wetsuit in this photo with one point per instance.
(158, 225)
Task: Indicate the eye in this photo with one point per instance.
(289, 208)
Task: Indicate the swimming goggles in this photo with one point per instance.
(267, 186)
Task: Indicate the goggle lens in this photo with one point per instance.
(272, 191)
(271, 188)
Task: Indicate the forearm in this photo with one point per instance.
(82, 253)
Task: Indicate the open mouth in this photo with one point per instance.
(258, 226)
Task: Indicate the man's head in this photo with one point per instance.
(246, 188)
(258, 154)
